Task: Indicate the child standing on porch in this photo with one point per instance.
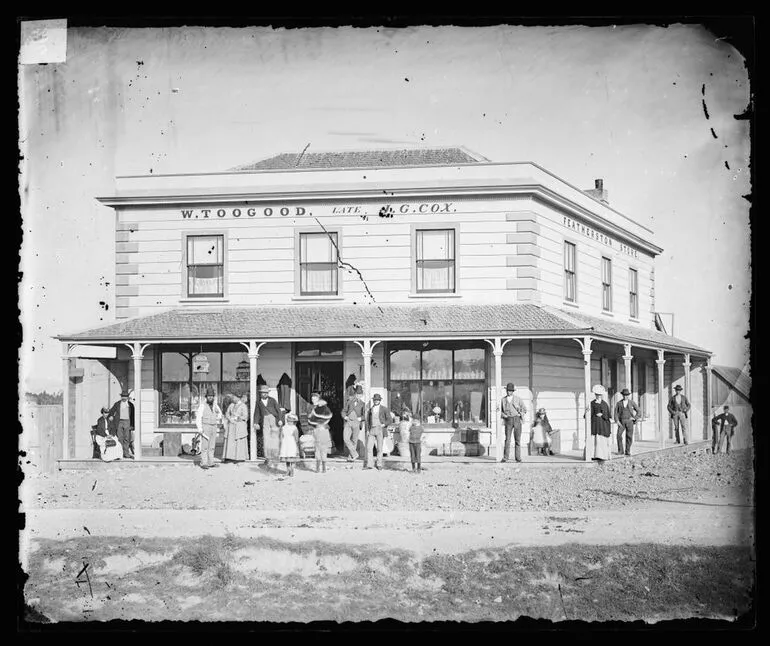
(289, 439)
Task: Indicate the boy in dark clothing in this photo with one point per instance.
(415, 445)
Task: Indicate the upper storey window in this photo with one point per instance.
(435, 260)
(606, 284)
(570, 272)
(205, 266)
(633, 293)
(318, 272)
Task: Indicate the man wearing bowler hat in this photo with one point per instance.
(626, 414)
(377, 419)
(122, 418)
(353, 414)
(678, 408)
(512, 410)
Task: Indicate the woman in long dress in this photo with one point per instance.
(236, 435)
(601, 426)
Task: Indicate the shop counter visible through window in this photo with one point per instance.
(441, 384)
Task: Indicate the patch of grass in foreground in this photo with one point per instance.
(575, 582)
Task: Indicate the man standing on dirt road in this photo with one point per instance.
(626, 414)
(678, 407)
(208, 419)
(724, 424)
(377, 419)
(512, 410)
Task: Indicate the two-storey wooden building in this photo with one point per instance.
(433, 275)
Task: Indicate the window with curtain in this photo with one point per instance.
(440, 384)
(570, 273)
(435, 259)
(633, 293)
(318, 264)
(185, 376)
(606, 284)
(205, 266)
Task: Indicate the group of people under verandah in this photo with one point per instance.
(368, 424)
(281, 439)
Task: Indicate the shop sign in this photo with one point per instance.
(362, 210)
(599, 237)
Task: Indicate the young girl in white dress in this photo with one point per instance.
(288, 452)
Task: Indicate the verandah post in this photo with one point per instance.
(661, 362)
(586, 346)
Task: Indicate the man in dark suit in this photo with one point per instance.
(353, 414)
(626, 414)
(122, 418)
(378, 416)
(725, 424)
(678, 408)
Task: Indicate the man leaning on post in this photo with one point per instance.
(122, 419)
(512, 410)
(678, 408)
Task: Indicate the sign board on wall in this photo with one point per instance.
(364, 211)
(94, 352)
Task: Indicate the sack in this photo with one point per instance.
(387, 444)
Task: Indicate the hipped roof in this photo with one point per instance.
(300, 321)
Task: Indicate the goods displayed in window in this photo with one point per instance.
(185, 376)
(440, 384)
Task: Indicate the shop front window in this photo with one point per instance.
(440, 384)
(185, 376)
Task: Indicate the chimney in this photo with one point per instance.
(598, 191)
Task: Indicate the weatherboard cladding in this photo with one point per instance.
(335, 321)
(363, 159)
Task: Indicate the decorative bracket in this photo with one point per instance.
(253, 347)
(366, 346)
(137, 349)
(498, 345)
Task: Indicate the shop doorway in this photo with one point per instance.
(326, 378)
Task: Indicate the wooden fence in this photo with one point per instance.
(42, 435)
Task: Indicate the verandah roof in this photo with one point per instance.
(373, 321)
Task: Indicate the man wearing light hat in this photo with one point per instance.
(377, 419)
(268, 417)
(512, 410)
(207, 420)
(122, 418)
(626, 414)
(678, 407)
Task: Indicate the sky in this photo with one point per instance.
(633, 105)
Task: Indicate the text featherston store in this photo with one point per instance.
(433, 276)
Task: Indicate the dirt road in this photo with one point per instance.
(419, 532)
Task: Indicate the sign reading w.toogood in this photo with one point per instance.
(362, 210)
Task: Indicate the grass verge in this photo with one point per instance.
(264, 579)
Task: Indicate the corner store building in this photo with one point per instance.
(455, 276)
